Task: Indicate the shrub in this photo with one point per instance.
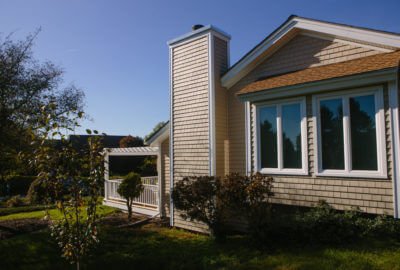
(214, 201)
(130, 188)
(15, 201)
(37, 192)
(248, 196)
(197, 197)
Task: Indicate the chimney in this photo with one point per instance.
(197, 60)
(197, 26)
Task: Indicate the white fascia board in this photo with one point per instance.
(378, 38)
(242, 68)
(372, 37)
(369, 78)
(160, 136)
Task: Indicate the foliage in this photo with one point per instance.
(60, 171)
(37, 193)
(130, 141)
(196, 197)
(155, 130)
(15, 185)
(15, 201)
(215, 200)
(26, 84)
(130, 188)
(149, 167)
(248, 196)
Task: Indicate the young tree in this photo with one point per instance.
(60, 171)
(25, 85)
(130, 188)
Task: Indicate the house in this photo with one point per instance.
(315, 104)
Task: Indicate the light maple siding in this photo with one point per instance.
(221, 128)
(165, 171)
(371, 195)
(190, 115)
(305, 51)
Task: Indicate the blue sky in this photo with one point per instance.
(116, 50)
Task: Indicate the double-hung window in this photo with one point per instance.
(350, 134)
(281, 137)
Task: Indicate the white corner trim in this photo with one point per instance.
(395, 128)
(247, 127)
(171, 138)
(377, 91)
(159, 174)
(211, 105)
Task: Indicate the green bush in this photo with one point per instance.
(16, 185)
(15, 201)
(217, 201)
(37, 192)
(325, 225)
(130, 188)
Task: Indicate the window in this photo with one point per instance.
(350, 134)
(281, 137)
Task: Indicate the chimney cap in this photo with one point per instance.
(197, 26)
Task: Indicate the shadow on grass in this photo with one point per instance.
(153, 247)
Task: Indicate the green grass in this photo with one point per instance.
(152, 247)
(54, 213)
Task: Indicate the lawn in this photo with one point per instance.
(155, 247)
(54, 213)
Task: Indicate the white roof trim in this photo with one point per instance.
(132, 151)
(159, 136)
(389, 41)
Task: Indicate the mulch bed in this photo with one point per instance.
(9, 228)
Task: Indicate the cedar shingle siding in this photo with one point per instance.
(371, 195)
(190, 112)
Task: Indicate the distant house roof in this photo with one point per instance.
(342, 69)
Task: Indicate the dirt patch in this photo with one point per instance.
(9, 228)
(120, 218)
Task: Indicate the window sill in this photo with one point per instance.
(283, 172)
(356, 174)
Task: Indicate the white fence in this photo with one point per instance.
(148, 197)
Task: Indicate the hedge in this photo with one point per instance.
(15, 185)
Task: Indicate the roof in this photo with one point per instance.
(381, 39)
(133, 151)
(163, 130)
(347, 68)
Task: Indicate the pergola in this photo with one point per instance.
(150, 200)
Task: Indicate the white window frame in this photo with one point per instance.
(345, 96)
(303, 129)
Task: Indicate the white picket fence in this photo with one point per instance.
(148, 197)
